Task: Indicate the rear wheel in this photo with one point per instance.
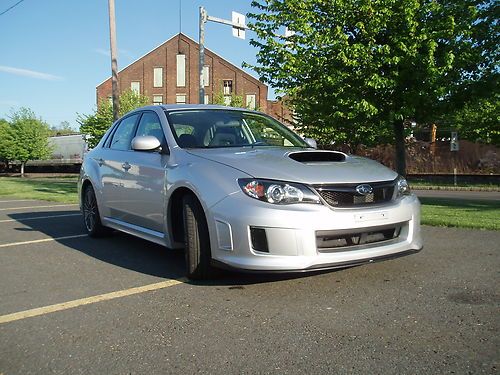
(91, 217)
(197, 240)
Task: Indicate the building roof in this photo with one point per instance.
(192, 40)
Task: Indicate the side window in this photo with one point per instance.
(107, 141)
(150, 125)
(123, 134)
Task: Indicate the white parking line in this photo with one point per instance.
(42, 240)
(38, 217)
(86, 301)
(24, 208)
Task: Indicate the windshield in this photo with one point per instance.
(219, 128)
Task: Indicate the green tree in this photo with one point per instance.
(98, 123)
(358, 70)
(479, 120)
(29, 137)
(236, 100)
(473, 108)
(64, 128)
(6, 141)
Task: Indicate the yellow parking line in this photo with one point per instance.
(42, 240)
(24, 208)
(89, 300)
(37, 218)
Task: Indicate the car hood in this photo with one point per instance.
(299, 165)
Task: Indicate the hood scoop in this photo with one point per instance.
(317, 156)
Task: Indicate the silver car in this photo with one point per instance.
(237, 189)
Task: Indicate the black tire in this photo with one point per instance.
(91, 217)
(197, 240)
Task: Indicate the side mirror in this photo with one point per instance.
(311, 142)
(146, 143)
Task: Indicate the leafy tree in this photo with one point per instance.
(28, 138)
(358, 70)
(6, 141)
(479, 120)
(99, 122)
(476, 72)
(64, 128)
(236, 100)
(473, 108)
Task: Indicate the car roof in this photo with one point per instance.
(177, 107)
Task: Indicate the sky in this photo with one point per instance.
(53, 53)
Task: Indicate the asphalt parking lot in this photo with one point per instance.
(70, 304)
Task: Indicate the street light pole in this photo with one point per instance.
(114, 63)
(237, 24)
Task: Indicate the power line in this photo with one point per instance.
(13, 6)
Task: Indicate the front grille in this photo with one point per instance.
(345, 195)
(328, 241)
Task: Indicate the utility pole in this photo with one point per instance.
(114, 63)
(239, 27)
(201, 41)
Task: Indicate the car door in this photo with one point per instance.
(144, 181)
(114, 167)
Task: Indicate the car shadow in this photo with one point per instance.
(129, 252)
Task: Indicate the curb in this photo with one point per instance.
(456, 188)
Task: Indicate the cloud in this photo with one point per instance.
(29, 73)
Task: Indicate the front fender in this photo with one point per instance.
(208, 180)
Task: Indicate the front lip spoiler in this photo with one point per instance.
(322, 267)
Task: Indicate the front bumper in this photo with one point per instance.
(293, 232)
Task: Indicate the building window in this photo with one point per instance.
(205, 101)
(181, 70)
(157, 99)
(180, 98)
(135, 87)
(158, 77)
(251, 101)
(228, 87)
(227, 99)
(206, 76)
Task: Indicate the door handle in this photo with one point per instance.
(126, 166)
(100, 161)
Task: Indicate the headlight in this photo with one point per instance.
(277, 192)
(402, 187)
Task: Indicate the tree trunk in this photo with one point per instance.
(22, 168)
(399, 134)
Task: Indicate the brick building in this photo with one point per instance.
(169, 74)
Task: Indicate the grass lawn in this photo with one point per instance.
(435, 211)
(50, 189)
(461, 213)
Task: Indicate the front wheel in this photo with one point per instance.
(197, 240)
(91, 217)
